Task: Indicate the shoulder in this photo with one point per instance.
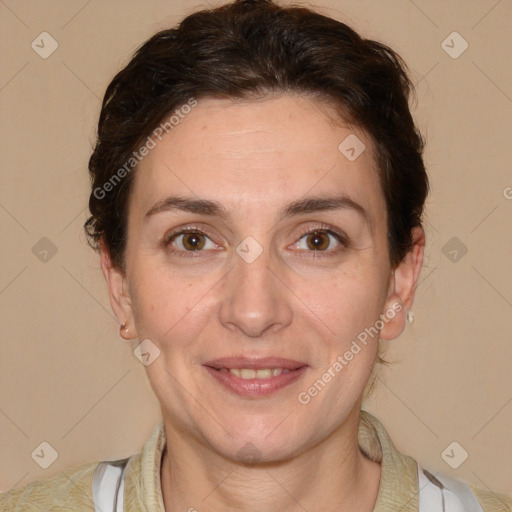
(493, 501)
(458, 495)
(69, 490)
(403, 478)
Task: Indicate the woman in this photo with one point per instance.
(257, 198)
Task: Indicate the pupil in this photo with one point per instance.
(316, 241)
(193, 241)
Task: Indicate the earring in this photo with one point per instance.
(123, 328)
(410, 316)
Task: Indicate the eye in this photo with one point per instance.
(320, 240)
(189, 240)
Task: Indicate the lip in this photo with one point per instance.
(255, 387)
(256, 363)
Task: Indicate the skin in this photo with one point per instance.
(255, 157)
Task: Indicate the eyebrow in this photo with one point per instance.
(295, 208)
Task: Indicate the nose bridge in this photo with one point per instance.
(254, 299)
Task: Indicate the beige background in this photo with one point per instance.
(67, 379)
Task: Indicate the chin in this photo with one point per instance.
(264, 441)
(260, 452)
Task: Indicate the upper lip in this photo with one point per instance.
(257, 363)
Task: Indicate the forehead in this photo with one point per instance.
(259, 154)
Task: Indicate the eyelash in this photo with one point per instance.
(341, 238)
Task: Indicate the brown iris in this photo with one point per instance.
(193, 241)
(314, 240)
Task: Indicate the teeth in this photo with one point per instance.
(249, 373)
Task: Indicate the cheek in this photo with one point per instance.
(343, 303)
(168, 306)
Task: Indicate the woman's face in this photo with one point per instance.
(251, 280)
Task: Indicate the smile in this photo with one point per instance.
(250, 373)
(258, 381)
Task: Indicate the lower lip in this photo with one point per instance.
(255, 387)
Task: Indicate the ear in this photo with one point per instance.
(120, 299)
(402, 287)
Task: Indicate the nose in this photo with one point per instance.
(255, 298)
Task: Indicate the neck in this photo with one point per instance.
(334, 475)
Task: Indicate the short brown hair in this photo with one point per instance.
(252, 48)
